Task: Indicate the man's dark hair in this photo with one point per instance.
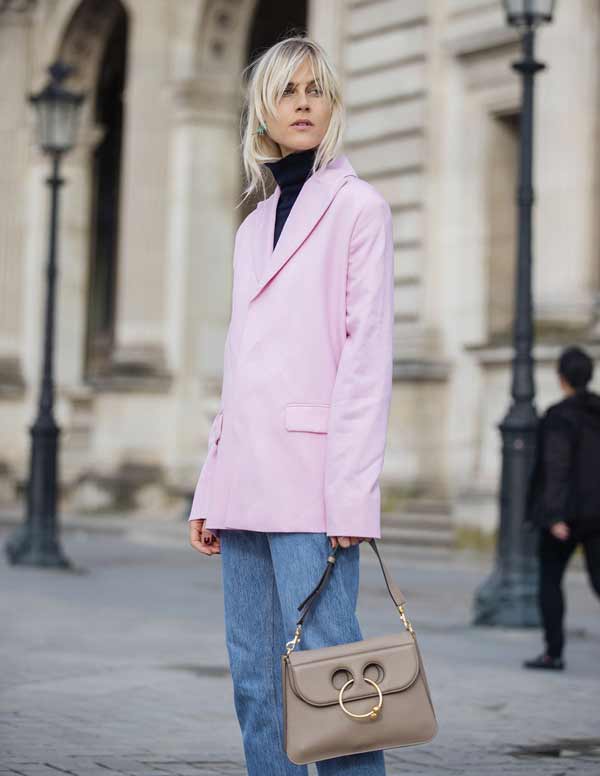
(576, 367)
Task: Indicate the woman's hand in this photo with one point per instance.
(345, 541)
(560, 530)
(202, 539)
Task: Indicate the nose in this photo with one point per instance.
(302, 101)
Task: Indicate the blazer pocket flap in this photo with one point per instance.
(318, 675)
(215, 430)
(307, 417)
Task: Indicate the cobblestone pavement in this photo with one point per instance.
(119, 666)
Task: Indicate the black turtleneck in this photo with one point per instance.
(290, 172)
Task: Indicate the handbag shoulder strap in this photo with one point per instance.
(393, 589)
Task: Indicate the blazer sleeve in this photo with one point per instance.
(360, 400)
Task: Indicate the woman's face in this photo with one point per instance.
(304, 114)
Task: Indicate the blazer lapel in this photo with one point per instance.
(314, 198)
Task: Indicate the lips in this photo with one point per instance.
(303, 123)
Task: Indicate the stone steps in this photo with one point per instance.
(418, 528)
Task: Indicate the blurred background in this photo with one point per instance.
(121, 665)
(149, 216)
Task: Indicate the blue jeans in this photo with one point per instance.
(266, 575)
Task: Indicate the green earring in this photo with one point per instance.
(262, 128)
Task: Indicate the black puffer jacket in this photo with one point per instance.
(565, 482)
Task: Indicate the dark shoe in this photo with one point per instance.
(545, 661)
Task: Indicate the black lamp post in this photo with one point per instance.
(35, 543)
(509, 595)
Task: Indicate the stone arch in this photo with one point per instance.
(222, 36)
(273, 20)
(94, 43)
(85, 37)
(230, 31)
(230, 34)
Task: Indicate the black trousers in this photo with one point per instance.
(554, 556)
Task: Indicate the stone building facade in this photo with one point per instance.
(149, 214)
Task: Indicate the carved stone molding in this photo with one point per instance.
(493, 356)
(16, 12)
(134, 370)
(481, 41)
(206, 100)
(85, 38)
(16, 6)
(420, 370)
(223, 32)
(12, 384)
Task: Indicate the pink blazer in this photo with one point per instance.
(298, 442)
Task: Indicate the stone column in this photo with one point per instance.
(566, 264)
(74, 255)
(142, 274)
(204, 188)
(325, 20)
(15, 26)
(15, 41)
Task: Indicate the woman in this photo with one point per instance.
(296, 449)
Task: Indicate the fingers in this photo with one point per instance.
(202, 539)
(210, 541)
(206, 542)
(344, 541)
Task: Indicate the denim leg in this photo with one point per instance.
(299, 560)
(252, 621)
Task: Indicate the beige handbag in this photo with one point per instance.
(355, 697)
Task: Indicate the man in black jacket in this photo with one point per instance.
(564, 495)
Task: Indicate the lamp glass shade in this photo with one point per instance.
(528, 13)
(58, 113)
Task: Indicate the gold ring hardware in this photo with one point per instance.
(374, 711)
(405, 620)
(291, 644)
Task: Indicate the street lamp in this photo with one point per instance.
(509, 595)
(35, 543)
(528, 13)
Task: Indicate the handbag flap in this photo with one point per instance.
(313, 671)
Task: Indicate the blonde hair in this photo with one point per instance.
(269, 76)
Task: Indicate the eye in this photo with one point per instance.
(313, 89)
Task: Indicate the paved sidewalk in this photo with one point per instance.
(120, 667)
